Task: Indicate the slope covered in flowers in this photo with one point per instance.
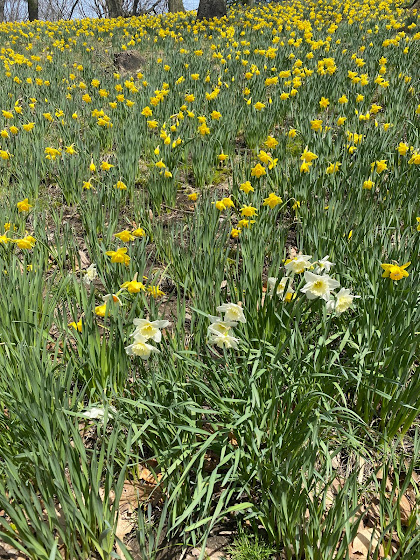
(210, 287)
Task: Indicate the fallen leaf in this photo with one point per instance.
(124, 527)
(406, 509)
(363, 541)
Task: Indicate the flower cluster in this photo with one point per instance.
(219, 332)
(318, 284)
(145, 332)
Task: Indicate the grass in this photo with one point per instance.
(247, 547)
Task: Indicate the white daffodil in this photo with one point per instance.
(281, 287)
(220, 327)
(318, 286)
(149, 329)
(90, 274)
(324, 265)
(343, 300)
(298, 264)
(140, 348)
(224, 340)
(232, 311)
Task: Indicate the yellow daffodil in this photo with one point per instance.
(119, 256)
(246, 187)
(77, 326)
(272, 200)
(24, 206)
(248, 211)
(394, 271)
(258, 171)
(125, 236)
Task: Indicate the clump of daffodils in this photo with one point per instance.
(318, 283)
(220, 330)
(145, 332)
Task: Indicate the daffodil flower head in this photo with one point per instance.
(318, 286)
(323, 265)
(342, 301)
(272, 200)
(233, 312)
(394, 271)
(146, 329)
(298, 264)
(132, 286)
(140, 348)
(23, 205)
(119, 256)
(125, 236)
(224, 340)
(90, 274)
(220, 327)
(77, 326)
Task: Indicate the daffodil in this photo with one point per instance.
(394, 271)
(318, 286)
(224, 341)
(414, 159)
(133, 286)
(342, 301)
(258, 171)
(272, 200)
(26, 243)
(368, 184)
(125, 236)
(149, 330)
(333, 168)
(155, 292)
(308, 156)
(233, 312)
(298, 264)
(271, 142)
(24, 206)
(119, 256)
(316, 125)
(259, 106)
(380, 166)
(246, 187)
(113, 298)
(77, 326)
(70, 149)
(248, 211)
(90, 274)
(324, 102)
